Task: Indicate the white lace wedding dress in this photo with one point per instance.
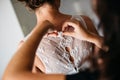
(63, 54)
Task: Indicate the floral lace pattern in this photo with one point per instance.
(63, 54)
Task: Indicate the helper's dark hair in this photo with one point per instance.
(34, 4)
(109, 12)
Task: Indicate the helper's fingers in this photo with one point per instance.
(69, 26)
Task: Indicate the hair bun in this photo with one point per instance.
(33, 4)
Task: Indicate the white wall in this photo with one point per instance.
(76, 7)
(10, 33)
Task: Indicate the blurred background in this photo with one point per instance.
(16, 22)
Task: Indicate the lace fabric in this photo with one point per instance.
(63, 54)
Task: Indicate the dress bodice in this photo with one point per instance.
(64, 54)
(55, 53)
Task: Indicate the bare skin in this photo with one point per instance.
(20, 66)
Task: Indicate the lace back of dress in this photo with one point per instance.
(64, 54)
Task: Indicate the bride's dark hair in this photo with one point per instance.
(33, 4)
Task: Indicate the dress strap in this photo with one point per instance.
(79, 18)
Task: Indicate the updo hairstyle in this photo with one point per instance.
(34, 4)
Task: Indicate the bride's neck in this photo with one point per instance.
(52, 14)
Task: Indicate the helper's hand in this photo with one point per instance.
(75, 29)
